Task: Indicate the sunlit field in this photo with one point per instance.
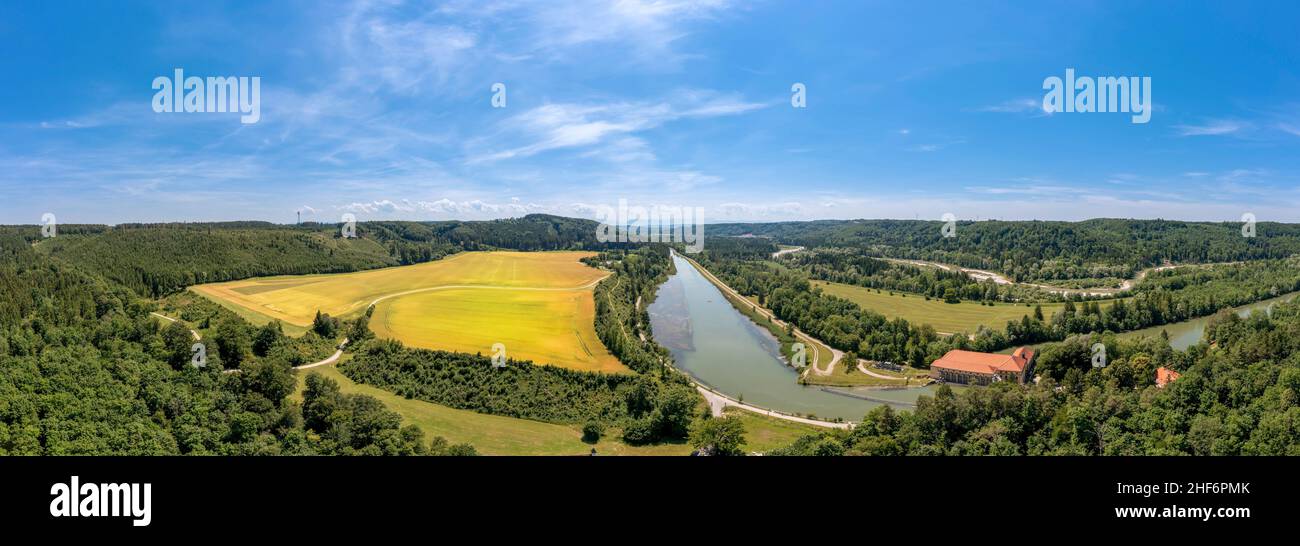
(537, 304)
(545, 326)
(945, 317)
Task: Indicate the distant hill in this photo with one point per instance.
(156, 259)
(1036, 249)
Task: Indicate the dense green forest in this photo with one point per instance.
(85, 369)
(158, 259)
(1239, 394)
(852, 266)
(1037, 250)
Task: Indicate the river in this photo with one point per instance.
(1189, 332)
(723, 349)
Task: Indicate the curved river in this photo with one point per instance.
(723, 349)
(1189, 332)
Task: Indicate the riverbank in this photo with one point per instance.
(726, 352)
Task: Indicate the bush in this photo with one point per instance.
(592, 431)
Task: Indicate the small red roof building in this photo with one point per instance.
(1165, 376)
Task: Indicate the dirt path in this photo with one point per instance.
(981, 275)
(194, 333)
(332, 359)
(785, 251)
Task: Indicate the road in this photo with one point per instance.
(332, 359)
(718, 401)
(785, 251)
(980, 275)
(194, 333)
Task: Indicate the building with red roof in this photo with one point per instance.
(975, 368)
(1165, 376)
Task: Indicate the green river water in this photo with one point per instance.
(723, 349)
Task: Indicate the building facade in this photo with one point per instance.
(976, 368)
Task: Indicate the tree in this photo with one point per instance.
(273, 380)
(675, 410)
(178, 342)
(950, 296)
(233, 342)
(267, 336)
(720, 436)
(320, 399)
(325, 326)
(592, 431)
(359, 329)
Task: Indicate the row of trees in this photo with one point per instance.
(1036, 250)
(851, 266)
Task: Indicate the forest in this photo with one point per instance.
(1040, 250)
(86, 370)
(157, 259)
(1239, 394)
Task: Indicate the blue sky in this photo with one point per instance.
(383, 109)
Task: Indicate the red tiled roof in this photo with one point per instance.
(988, 363)
(1164, 376)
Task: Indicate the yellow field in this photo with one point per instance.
(538, 304)
(542, 326)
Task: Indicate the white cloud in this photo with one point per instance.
(444, 206)
(1017, 106)
(1212, 127)
(569, 125)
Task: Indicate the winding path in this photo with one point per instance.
(785, 251)
(332, 359)
(980, 275)
(194, 333)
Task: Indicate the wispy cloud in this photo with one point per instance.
(572, 125)
(1016, 106)
(1212, 127)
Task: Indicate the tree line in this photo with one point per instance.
(1038, 250)
(1237, 395)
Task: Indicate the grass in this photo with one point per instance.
(498, 435)
(763, 433)
(490, 434)
(539, 305)
(944, 317)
